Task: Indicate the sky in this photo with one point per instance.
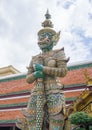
(20, 21)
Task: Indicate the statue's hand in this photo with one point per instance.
(39, 74)
(38, 67)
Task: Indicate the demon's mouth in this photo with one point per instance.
(45, 40)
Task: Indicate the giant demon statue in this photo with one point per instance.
(46, 107)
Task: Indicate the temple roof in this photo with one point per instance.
(8, 70)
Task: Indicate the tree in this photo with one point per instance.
(82, 119)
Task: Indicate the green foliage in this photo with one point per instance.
(79, 118)
(80, 129)
(84, 128)
(90, 127)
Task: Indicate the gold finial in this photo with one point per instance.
(88, 79)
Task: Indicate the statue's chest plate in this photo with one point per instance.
(49, 61)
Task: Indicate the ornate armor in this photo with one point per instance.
(54, 65)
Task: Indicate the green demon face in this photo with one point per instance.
(45, 41)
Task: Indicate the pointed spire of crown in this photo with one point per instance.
(47, 15)
(47, 24)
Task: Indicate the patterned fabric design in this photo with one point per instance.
(56, 122)
(55, 103)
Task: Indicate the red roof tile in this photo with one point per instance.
(10, 115)
(76, 76)
(14, 86)
(14, 101)
(72, 94)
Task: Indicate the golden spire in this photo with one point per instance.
(88, 79)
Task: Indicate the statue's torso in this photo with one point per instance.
(51, 83)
